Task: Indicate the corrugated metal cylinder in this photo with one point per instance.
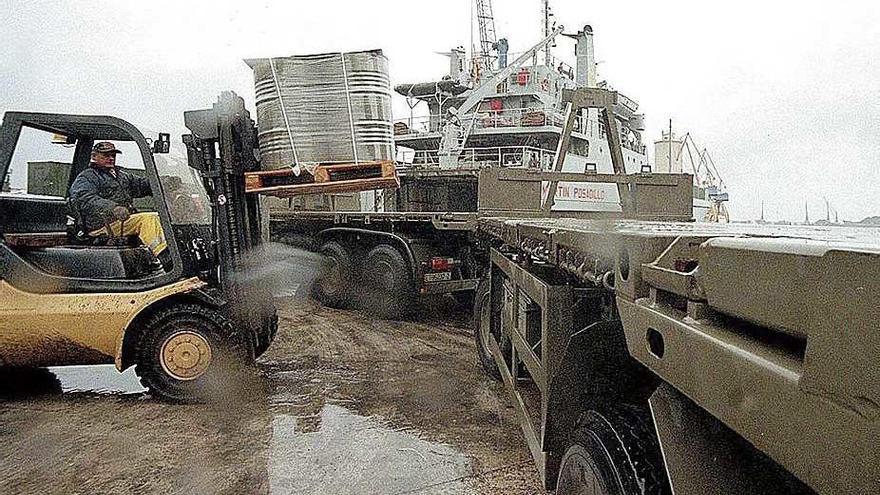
(335, 108)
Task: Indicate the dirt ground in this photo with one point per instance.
(342, 404)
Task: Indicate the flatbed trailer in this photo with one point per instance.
(396, 256)
(747, 353)
(649, 355)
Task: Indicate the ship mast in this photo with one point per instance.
(547, 29)
(488, 38)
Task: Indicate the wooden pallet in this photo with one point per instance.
(327, 178)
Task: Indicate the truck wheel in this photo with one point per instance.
(464, 298)
(187, 352)
(332, 288)
(613, 453)
(485, 325)
(388, 282)
(270, 329)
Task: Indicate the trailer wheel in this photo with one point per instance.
(332, 287)
(613, 453)
(389, 286)
(485, 325)
(188, 353)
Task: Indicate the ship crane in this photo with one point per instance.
(488, 39)
(453, 136)
(706, 176)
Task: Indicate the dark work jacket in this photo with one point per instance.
(95, 192)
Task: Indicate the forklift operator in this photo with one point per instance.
(102, 194)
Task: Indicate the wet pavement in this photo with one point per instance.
(342, 404)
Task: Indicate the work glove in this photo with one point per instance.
(120, 213)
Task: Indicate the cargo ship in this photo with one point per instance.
(516, 122)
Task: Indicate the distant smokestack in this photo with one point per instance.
(456, 63)
(586, 59)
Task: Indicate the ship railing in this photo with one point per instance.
(633, 145)
(523, 117)
(416, 125)
(492, 119)
(556, 64)
(476, 158)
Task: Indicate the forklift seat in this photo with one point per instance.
(95, 262)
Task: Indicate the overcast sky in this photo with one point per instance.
(785, 95)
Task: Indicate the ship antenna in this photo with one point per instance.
(670, 145)
(547, 14)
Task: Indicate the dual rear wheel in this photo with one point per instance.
(380, 282)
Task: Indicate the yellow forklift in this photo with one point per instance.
(69, 300)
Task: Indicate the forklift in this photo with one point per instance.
(190, 330)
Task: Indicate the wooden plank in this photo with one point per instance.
(324, 173)
(328, 187)
(259, 181)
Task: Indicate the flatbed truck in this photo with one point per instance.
(397, 256)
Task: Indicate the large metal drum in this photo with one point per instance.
(328, 108)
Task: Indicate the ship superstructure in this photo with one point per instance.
(476, 119)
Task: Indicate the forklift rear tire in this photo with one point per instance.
(333, 286)
(191, 353)
(613, 453)
(389, 286)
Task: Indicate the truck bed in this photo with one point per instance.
(441, 221)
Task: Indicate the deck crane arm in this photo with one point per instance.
(480, 92)
(452, 140)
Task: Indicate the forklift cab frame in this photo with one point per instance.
(34, 214)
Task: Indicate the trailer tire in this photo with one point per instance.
(613, 452)
(332, 287)
(482, 331)
(191, 353)
(388, 281)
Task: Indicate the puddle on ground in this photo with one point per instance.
(340, 452)
(98, 379)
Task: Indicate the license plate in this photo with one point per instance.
(438, 277)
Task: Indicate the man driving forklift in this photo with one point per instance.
(101, 197)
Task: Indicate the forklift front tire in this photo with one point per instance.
(190, 353)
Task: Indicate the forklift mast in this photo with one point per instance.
(222, 146)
